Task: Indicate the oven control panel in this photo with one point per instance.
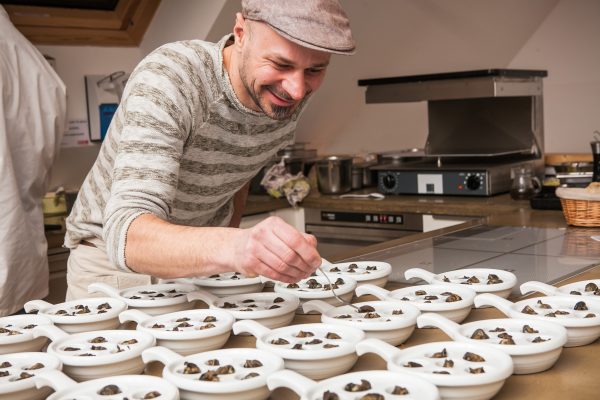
(369, 218)
(470, 183)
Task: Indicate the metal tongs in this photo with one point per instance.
(333, 291)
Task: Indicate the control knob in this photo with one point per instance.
(389, 181)
(473, 182)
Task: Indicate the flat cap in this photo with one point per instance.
(317, 24)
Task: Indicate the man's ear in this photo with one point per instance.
(240, 31)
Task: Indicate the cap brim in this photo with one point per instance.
(303, 43)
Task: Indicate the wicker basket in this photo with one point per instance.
(581, 212)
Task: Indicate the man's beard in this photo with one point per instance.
(271, 110)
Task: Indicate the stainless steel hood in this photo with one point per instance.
(454, 85)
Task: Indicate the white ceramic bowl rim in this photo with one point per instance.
(117, 306)
(19, 362)
(132, 387)
(465, 293)
(381, 382)
(18, 322)
(232, 356)
(113, 337)
(564, 303)
(350, 337)
(580, 287)
(523, 346)
(383, 269)
(290, 304)
(384, 308)
(321, 293)
(498, 365)
(224, 280)
(223, 324)
(183, 288)
(509, 279)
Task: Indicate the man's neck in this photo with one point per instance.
(231, 65)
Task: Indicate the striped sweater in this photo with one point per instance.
(179, 146)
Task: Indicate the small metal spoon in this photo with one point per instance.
(334, 294)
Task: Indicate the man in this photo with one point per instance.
(197, 121)
(32, 119)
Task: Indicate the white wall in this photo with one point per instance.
(394, 37)
(72, 64)
(415, 37)
(567, 44)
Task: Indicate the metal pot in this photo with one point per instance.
(334, 174)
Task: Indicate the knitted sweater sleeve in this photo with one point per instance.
(153, 122)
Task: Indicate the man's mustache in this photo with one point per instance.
(282, 94)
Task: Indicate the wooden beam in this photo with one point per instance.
(125, 26)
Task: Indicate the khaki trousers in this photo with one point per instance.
(89, 264)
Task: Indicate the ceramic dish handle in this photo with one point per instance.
(377, 346)
(203, 295)
(103, 288)
(488, 299)
(50, 331)
(535, 286)
(373, 290)
(159, 353)
(249, 326)
(316, 305)
(291, 380)
(36, 305)
(53, 378)
(133, 315)
(449, 327)
(419, 273)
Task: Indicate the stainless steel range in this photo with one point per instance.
(481, 124)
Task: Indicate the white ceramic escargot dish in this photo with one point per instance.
(318, 288)
(363, 272)
(589, 288)
(152, 299)
(363, 385)
(452, 301)
(132, 387)
(16, 333)
(225, 374)
(317, 351)
(481, 280)
(97, 354)
(272, 310)
(386, 320)
(534, 346)
(82, 315)
(460, 370)
(185, 332)
(17, 371)
(225, 283)
(579, 315)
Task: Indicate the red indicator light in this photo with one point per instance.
(460, 187)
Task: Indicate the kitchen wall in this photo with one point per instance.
(394, 38)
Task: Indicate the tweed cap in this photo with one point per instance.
(317, 24)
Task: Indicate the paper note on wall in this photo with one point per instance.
(77, 134)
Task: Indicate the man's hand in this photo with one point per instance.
(276, 250)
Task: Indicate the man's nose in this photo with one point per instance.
(295, 85)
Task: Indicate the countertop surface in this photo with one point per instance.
(496, 210)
